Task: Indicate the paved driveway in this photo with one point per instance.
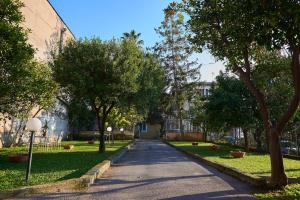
(153, 170)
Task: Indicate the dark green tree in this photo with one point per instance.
(151, 85)
(15, 52)
(24, 82)
(101, 74)
(231, 105)
(199, 116)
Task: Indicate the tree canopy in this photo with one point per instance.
(175, 52)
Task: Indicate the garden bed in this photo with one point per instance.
(253, 163)
(55, 165)
(290, 192)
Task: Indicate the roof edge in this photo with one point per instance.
(61, 19)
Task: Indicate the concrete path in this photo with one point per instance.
(153, 170)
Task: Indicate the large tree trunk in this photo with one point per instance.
(181, 126)
(245, 131)
(180, 122)
(267, 141)
(101, 123)
(278, 176)
(205, 136)
(257, 137)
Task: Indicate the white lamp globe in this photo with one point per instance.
(109, 129)
(121, 129)
(34, 124)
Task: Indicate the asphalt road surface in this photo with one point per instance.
(154, 170)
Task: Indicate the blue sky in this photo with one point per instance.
(110, 18)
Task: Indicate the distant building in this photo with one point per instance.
(205, 88)
(171, 125)
(47, 31)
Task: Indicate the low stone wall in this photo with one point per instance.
(70, 185)
(193, 136)
(291, 157)
(245, 177)
(91, 135)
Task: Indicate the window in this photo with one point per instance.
(143, 127)
(206, 92)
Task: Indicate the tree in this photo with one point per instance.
(100, 74)
(133, 35)
(231, 105)
(15, 52)
(151, 85)
(25, 83)
(234, 31)
(175, 53)
(123, 117)
(199, 115)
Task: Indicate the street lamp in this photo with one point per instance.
(109, 129)
(33, 125)
(122, 131)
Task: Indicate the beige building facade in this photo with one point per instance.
(47, 28)
(47, 32)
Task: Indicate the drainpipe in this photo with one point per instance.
(61, 39)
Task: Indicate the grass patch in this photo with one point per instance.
(254, 163)
(290, 192)
(53, 165)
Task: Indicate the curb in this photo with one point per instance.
(233, 172)
(75, 184)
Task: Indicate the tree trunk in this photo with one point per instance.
(181, 126)
(205, 136)
(101, 133)
(257, 137)
(267, 141)
(245, 131)
(278, 176)
(112, 135)
(180, 122)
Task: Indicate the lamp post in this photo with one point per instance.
(122, 131)
(109, 129)
(33, 125)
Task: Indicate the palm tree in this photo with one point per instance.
(133, 35)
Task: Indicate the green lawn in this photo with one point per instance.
(254, 163)
(53, 166)
(290, 192)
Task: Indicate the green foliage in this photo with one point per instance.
(25, 83)
(57, 165)
(134, 36)
(151, 85)
(175, 53)
(79, 116)
(123, 117)
(99, 74)
(234, 32)
(257, 40)
(98, 71)
(273, 77)
(289, 192)
(230, 104)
